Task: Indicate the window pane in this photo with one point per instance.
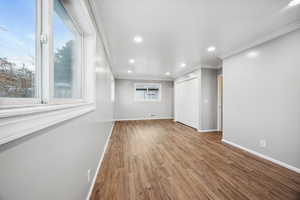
(153, 93)
(140, 93)
(147, 92)
(67, 54)
(17, 48)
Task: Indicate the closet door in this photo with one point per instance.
(177, 102)
(186, 102)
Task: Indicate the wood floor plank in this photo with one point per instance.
(164, 160)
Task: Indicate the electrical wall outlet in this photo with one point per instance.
(89, 175)
(262, 143)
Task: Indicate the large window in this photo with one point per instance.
(67, 54)
(40, 61)
(17, 49)
(147, 92)
(45, 77)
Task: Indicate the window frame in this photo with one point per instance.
(148, 85)
(15, 102)
(44, 61)
(78, 32)
(21, 117)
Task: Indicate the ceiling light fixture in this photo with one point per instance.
(129, 71)
(131, 61)
(138, 39)
(183, 65)
(252, 54)
(211, 49)
(294, 3)
(168, 73)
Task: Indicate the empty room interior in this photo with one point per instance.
(150, 100)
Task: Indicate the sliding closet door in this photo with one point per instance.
(186, 102)
(178, 102)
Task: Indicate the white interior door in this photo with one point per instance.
(187, 102)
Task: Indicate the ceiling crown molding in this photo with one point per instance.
(273, 35)
(143, 77)
(99, 28)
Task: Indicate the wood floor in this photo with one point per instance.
(161, 159)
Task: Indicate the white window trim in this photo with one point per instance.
(15, 125)
(147, 100)
(76, 28)
(71, 9)
(18, 102)
(23, 116)
(44, 91)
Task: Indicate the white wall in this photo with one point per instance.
(127, 108)
(53, 163)
(209, 99)
(262, 96)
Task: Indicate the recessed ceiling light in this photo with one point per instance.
(129, 71)
(294, 3)
(252, 54)
(183, 65)
(168, 73)
(138, 39)
(211, 49)
(131, 61)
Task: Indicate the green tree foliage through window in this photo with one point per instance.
(63, 72)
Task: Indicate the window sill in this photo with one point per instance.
(19, 122)
(148, 101)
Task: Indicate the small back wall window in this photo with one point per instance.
(147, 92)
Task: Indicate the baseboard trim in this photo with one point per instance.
(208, 130)
(137, 119)
(99, 164)
(295, 169)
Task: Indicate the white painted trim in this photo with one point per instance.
(208, 130)
(16, 126)
(211, 67)
(137, 119)
(279, 32)
(295, 169)
(191, 77)
(193, 69)
(97, 23)
(219, 104)
(195, 73)
(99, 164)
(142, 77)
(37, 109)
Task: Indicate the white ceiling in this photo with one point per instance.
(176, 31)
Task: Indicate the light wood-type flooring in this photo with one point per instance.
(161, 159)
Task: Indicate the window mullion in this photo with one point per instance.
(146, 96)
(83, 68)
(47, 55)
(38, 52)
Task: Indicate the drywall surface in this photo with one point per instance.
(261, 98)
(209, 99)
(127, 108)
(53, 163)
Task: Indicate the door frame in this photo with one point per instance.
(220, 101)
